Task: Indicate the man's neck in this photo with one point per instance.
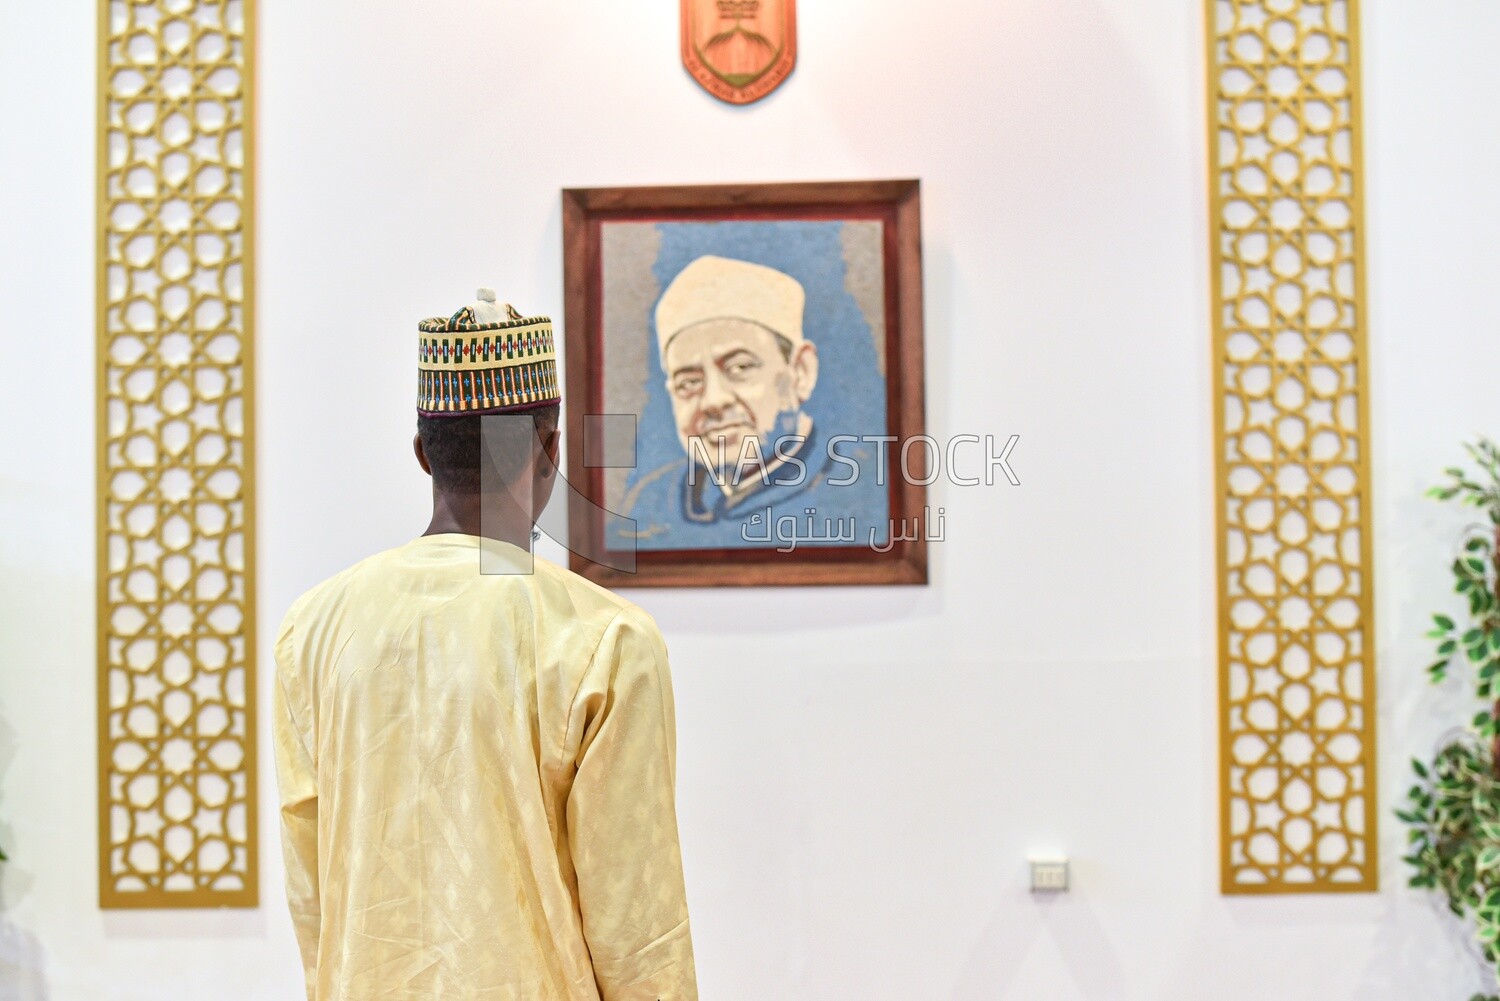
(468, 514)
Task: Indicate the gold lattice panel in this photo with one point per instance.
(176, 625)
(1296, 683)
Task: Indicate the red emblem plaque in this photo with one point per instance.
(739, 50)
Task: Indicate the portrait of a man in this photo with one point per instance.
(761, 355)
(746, 368)
(739, 372)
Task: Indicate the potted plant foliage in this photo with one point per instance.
(1453, 810)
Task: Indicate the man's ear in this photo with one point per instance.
(550, 444)
(804, 363)
(416, 445)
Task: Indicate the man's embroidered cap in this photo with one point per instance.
(485, 358)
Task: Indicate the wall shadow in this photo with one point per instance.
(23, 962)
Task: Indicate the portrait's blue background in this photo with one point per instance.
(849, 397)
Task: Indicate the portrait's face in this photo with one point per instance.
(729, 380)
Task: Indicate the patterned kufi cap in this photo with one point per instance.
(485, 358)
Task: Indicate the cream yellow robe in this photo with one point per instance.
(476, 775)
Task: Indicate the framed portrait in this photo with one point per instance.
(744, 377)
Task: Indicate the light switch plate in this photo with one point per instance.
(1049, 875)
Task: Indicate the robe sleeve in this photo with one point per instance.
(297, 779)
(622, 819)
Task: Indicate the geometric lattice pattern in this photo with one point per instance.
(176, 626)
(1297, 678)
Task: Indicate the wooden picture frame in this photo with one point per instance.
(894, 245)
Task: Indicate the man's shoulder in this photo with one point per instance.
(655, 489)
(590, 600)
(567, 595)
(332, 587)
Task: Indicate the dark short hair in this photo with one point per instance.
(455, 448)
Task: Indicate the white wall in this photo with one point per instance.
(856, 803)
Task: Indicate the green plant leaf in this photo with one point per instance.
(1452, 814)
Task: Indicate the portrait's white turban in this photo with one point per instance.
(717, 288)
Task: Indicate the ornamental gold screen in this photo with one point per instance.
(1296, 674)
(176, 692)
